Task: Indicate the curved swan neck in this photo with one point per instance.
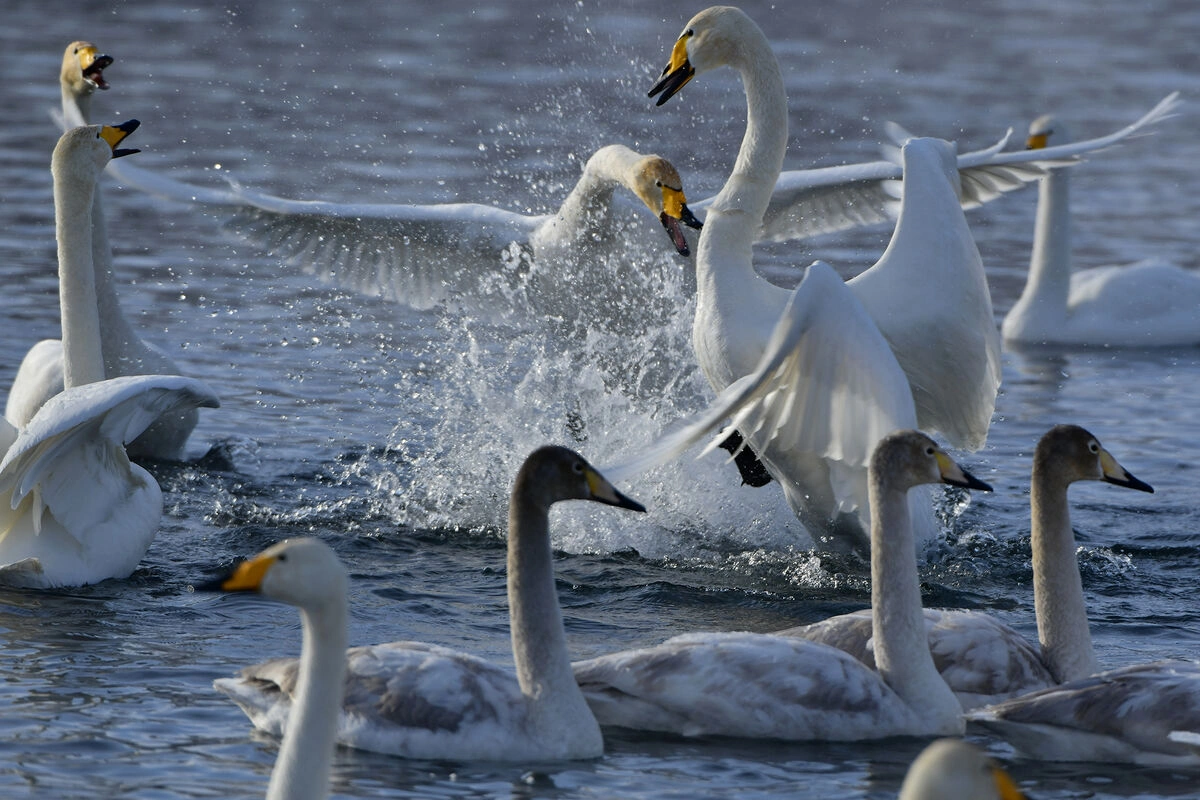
(587, 204)
(303, 765)
(83, 359)
(1057, 587)
(760, 157)
(1049, 282)
(539, 643)
(898, 622)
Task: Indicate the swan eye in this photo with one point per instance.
(658, 184)
(281, 557)
(578, 467)
(929, 450)
(1093, 447)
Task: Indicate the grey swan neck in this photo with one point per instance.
(1058, 596)
(898, 621)
(543, 664)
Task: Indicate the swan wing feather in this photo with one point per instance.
(417, 254)
(826, 383)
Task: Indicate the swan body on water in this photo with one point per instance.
(40, 375)
(73, 509)
(983, 660)
(1145, 304)
(423, 701)
(304, 573)
(765, 686)
(1139, 714)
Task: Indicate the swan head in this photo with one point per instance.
(302, 572)
(713, 38)
(656, 182)
(1068, 453)
(554, 473)
(951, 769)
(88, 148)
(83, 69)
(1041, 129)
(910, 458)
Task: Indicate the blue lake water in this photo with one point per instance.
(393, 434)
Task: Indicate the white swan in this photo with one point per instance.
(73, 509)
(949, 349)
(764, 686)
(426, 254)
(1149, 303)
(1140, 714)
(423, 701)
(983, 660)
(40, 375)
(304, 573)
(951, 769)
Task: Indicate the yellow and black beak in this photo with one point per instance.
(675, 211)
(115, 134)
(955, 475)
(604, 492)
(245, 577)
(1006, 787)
(93, 65)
(677, 72)
(1038, 140)
(1117, 475)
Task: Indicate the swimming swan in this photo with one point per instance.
(1149, 303)
(305, 573)
(1140, 714)
(422, 255)
(39, 376)
(949, 350)
(983, 660)
(765, 686)
(73, 509)
(423, 701)
(951, 769)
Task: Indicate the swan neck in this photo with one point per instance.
(898, 621)
(76, 109)
(303, 765)
(83, 359)
(1049, 280)
(760, 157)
(1057, 587)
(116, 335)
(539, 644)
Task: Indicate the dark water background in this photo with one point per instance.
(393, 434)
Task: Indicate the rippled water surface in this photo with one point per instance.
(393, 434)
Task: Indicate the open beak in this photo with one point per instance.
(93, 66)
(115, 134)
(675, 211)
(676, 74)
